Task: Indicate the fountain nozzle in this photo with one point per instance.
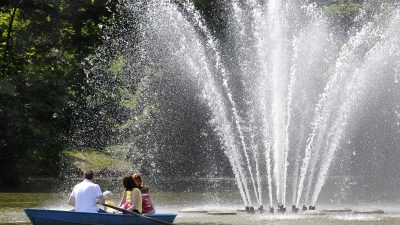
(271, 209)
(281, 208)
(252, 210)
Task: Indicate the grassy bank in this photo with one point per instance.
(109, 162)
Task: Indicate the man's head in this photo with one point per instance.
(88, 175)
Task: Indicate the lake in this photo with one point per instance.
(12, 205)
(41, 196)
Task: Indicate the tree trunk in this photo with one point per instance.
(8, 40)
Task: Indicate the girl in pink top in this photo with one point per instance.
(147, 204)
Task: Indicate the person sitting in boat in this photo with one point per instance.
(132, 196)
(147, 204)
(86, 194)
(108, 196)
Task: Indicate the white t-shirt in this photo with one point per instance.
(85, 194)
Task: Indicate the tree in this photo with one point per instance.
(42, 46)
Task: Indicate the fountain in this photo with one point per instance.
(282, 84)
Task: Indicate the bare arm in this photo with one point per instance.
(134, 201)
(123, 199)
(100, 199)
(71, 200)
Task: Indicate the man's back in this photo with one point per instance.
(85, 194)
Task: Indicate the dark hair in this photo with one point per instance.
(129, 183)
(88, 174)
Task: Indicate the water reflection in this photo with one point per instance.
(190, 196)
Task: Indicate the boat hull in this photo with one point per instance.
(62, 217)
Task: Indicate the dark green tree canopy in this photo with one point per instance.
(43, 44)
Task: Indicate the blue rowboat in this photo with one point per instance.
(62, 217)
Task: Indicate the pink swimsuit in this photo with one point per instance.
(147, 205)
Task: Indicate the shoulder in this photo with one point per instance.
(78, 185)
(92, 184)
(96, 186)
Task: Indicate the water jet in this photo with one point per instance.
(284, 91)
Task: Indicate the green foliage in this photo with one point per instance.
(117, 65)
(345, 10)
(42, 46)
(202, 4)
(70, 78)
(151, 110)
(7, 88)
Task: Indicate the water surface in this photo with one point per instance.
(12, 205)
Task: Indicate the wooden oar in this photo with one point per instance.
(137, 214)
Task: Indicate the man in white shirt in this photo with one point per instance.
(85, 194)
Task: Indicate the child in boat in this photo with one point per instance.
(108, 196)
(147, 204)
(132, 197)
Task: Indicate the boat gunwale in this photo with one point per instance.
(158, 214)
(37, 213)
(66, 221)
